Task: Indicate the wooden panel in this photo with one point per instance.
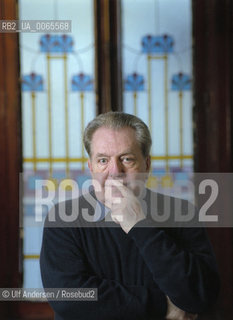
(34, 311)
(212, 28)
(10, 148)
(10, 159)
(108, 55)
(213, 122)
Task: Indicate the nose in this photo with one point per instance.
(116, 169)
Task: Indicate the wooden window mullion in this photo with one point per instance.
(108, 55)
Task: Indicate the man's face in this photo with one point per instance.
(116, 157)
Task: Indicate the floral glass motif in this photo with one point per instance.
(56, 43)
(134, 82)
(82, 82)
(32, 82)
(157, 44)
(181, 82)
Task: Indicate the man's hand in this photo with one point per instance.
(174, 313)
(126, 208)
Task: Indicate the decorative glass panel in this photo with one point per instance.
(157, 71)
(58, 100)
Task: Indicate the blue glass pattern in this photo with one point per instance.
(82, 82)
(59, 175)
(29, 209)
(32, 82)
(134, 82)
(32, 181)
(181, 82)
(181, 176)
(81, 179)
(56, 43)
(158, 172)
(157, 44)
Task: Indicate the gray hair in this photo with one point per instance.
(116, 121)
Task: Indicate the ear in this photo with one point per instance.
(148, 163)
(89, 165)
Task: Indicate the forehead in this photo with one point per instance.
(113, 140)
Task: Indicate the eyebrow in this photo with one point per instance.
(98, 155)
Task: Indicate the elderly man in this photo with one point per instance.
(141, 269)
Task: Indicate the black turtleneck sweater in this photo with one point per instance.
(133, 272)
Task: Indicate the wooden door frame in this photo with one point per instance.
(108, 55)
(213, 119)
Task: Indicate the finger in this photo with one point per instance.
(113, 182)
(126, 192)
(110, 185)
(117, 217)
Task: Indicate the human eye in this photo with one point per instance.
(103, 161)
(128, 160)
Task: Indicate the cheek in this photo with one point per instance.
(98, 168)
(143, 166)
(137, 167)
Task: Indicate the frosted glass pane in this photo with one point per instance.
(80, 60)
(58, 100)
(157, 45)
(32, 277)
(33, 236)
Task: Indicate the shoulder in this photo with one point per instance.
(169, 211)
(69, 213)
